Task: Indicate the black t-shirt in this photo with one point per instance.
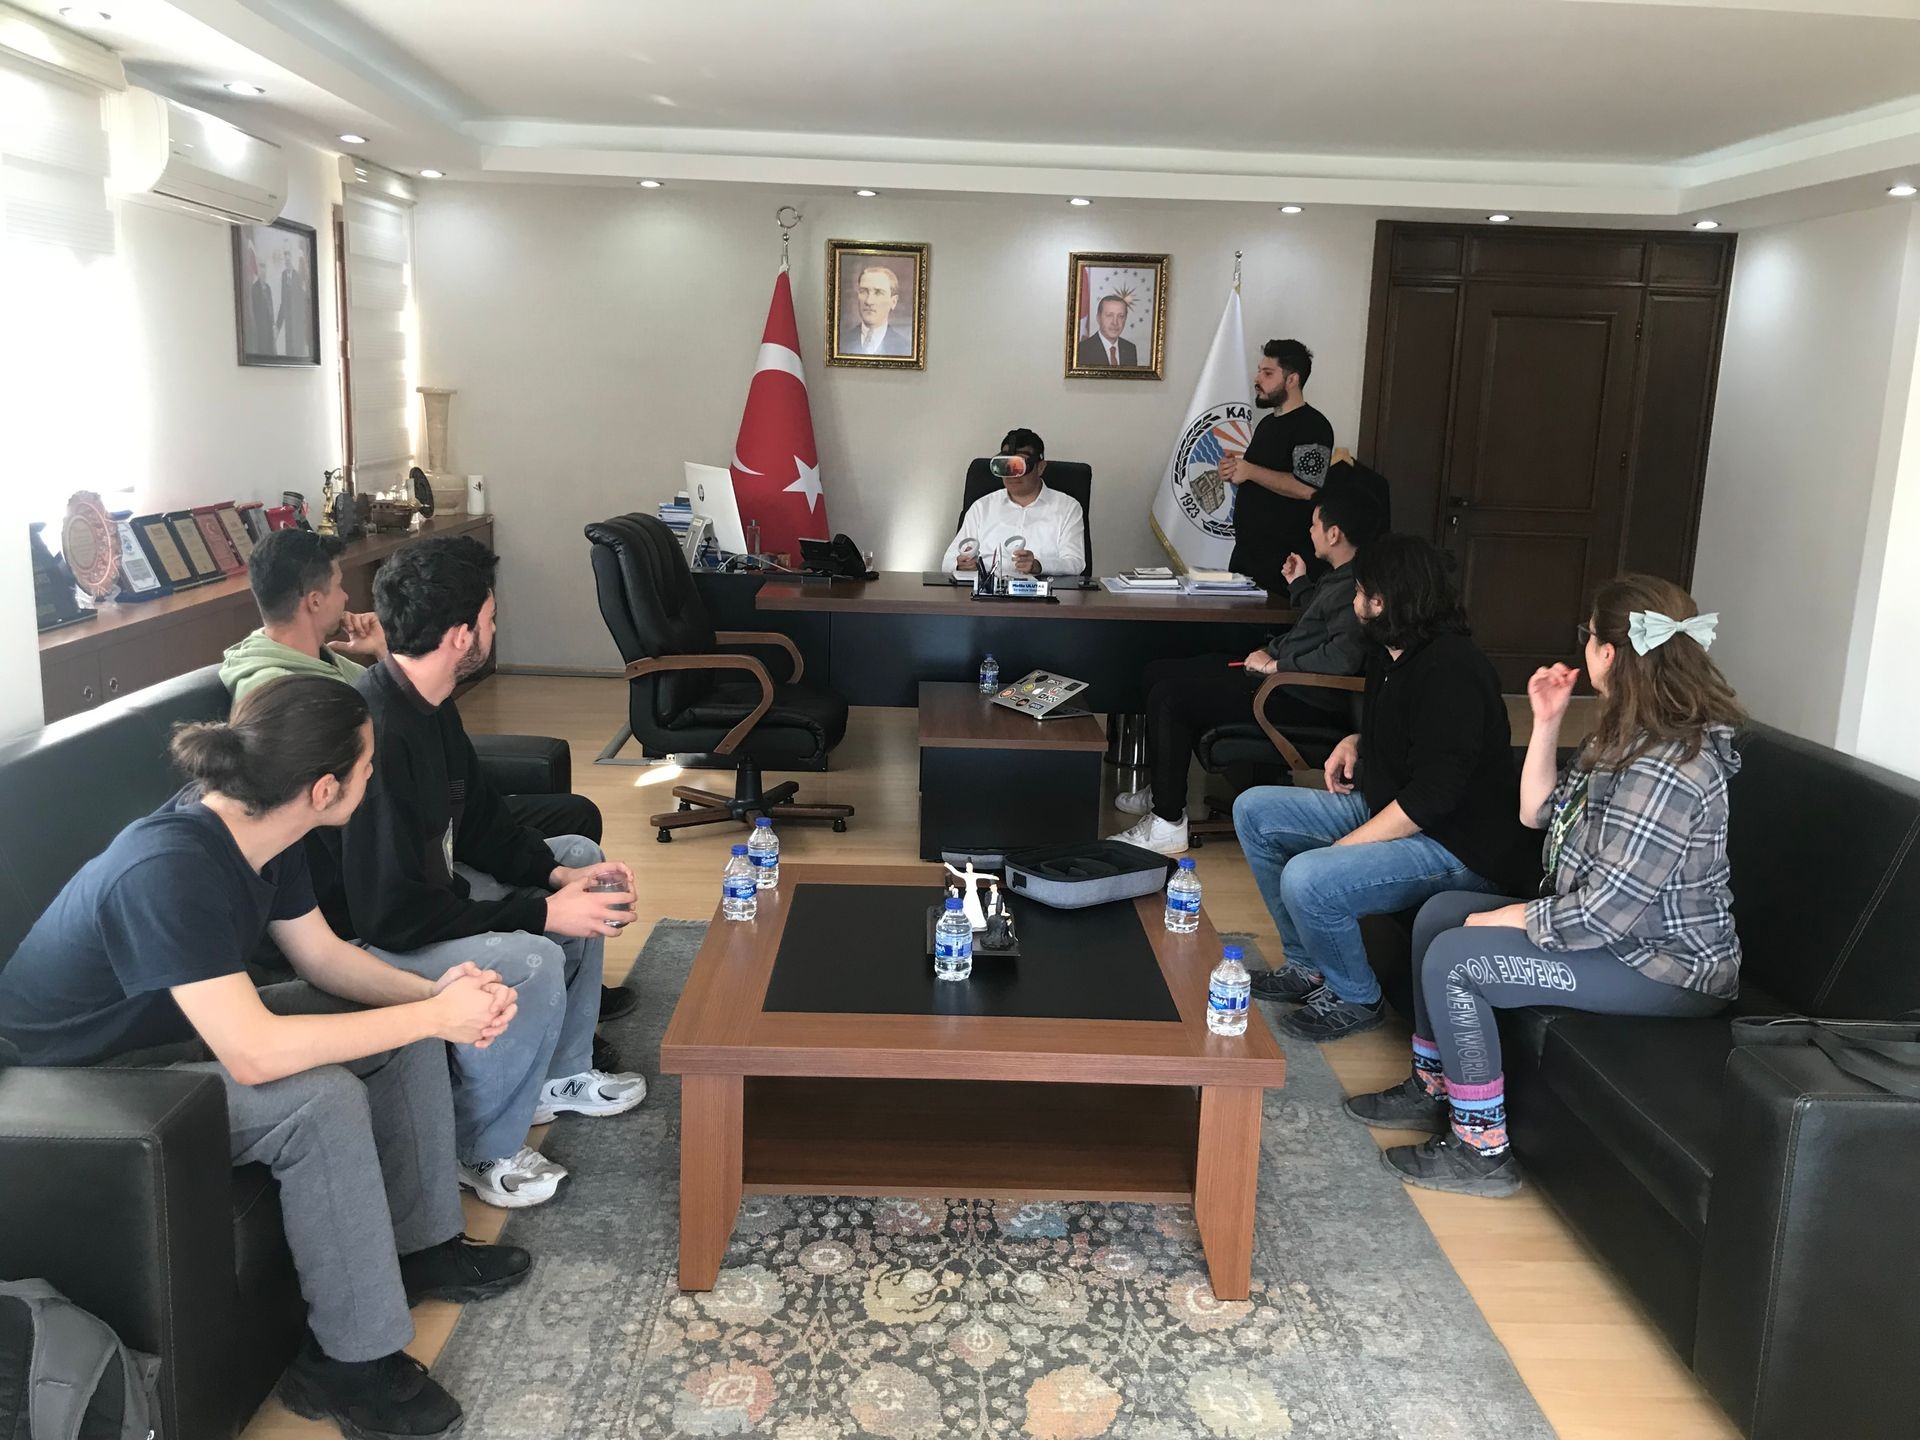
(171, 901)
(1268, 527)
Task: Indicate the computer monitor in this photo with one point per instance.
(710, 491)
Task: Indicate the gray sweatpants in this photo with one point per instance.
(326, 1134)
(1463, 974)
(551, 1037)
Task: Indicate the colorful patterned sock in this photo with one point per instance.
(1426, 1067)
(1480, 1115)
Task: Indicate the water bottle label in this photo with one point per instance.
(945, 948)
(1186, 904)
(1225, 999)
(765, 859)
(738, 887)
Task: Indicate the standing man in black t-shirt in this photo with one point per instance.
(1281, 471)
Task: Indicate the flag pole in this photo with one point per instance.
(1236, 272)
(786, 229)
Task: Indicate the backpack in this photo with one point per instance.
(64, 1375)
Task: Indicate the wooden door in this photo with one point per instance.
(1537, 471)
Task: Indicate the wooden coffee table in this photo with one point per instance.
(819, 1056)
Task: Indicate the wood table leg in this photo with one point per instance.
(1226, 1177)
(710, 1174)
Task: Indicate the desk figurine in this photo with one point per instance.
(970, 882)
(999, 934)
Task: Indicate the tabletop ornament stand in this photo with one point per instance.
(991, 915)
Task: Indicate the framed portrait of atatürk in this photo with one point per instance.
(877, 304)
(276, 293)
(1116, 316)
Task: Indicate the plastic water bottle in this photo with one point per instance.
(1228, 989)
(1183, 899)
(739, 894)
(953, 943)
(763, 849)
(989, 675)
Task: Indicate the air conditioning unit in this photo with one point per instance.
(170, 154)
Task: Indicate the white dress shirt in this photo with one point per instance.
(1052, 526)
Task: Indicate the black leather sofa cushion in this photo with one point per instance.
(525, 764)
(1225, 746)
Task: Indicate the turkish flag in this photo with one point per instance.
(776, 470)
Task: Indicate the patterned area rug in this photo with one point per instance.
(922, 1317)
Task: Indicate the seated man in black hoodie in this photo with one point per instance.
(1437, 805)
(433, 870)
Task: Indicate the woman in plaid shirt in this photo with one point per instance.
(1635, 915)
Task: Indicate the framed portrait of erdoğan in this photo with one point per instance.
(1116, 316)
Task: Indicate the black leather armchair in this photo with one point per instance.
(687, 695)
(1246, 750)
(1069, 477)
(1759, 1203)
(118, 1186)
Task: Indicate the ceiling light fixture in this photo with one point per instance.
(1706, 224)
(1902, 190)
(1498, 219)
(1079, 200)
(649, 184)
(433, 174)
(1289, 209)
(866, 194)
(80, 15)
(352, 139)
(244, 87)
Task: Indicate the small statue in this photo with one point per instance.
(970, 883)
(999, 934)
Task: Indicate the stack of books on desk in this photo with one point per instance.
(1218, 582)
(1141, 577)
(677, 514)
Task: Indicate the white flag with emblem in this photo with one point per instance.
(1193, 508)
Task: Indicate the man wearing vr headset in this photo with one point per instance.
(1036, 530)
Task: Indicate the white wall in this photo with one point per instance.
(1801, 461)
(599, 337)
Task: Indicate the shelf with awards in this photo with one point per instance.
(189, 609)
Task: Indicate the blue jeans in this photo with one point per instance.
(551, 1037)
(1317, 893)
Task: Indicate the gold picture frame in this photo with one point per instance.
(1095, 279)
(901, 340)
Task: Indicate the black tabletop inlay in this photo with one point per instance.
(861, 950)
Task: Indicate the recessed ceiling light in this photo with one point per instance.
(433, 174)
(1498, 219)
(80, 15)
(1079, 200)
(1903, 189)
(866, 194)
(352, 139)
(244, 87)
(1706, 224)
(649, 184)
(1289, 209)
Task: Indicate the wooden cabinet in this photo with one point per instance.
(1540, 401)
(129, 647)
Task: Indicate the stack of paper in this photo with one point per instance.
(1143, 577)
(677, 514)
(1218, 582)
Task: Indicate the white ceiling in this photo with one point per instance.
(1644, 110)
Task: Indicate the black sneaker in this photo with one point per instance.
(606, 1057)
(392, 1398)
(1407, 1106)
(615, 1001)
(1325, 1016)
(1443, 1163)
(1288, 983)
(461, 1270)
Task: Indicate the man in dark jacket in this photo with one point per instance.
(1187, 698)
(1437, 806)
(433, 869)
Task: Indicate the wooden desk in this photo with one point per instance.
(940, 1096)
(127, 647)
(885, 636)
(993, 780)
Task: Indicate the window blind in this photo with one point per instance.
(53, 161)
(379, 269)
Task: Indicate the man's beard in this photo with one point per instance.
(470, 663)
(1267, 402)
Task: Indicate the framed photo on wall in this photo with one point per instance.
(877, 304)
(1116, 316)
(276, 293)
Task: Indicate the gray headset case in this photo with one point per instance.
(1094, 872)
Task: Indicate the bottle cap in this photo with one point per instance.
(763, 823)
(739, 849)
(1231, 952)
(1186, 862)
(953, 902)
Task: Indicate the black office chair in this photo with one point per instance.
(1069, 477)
(676, 704)
(1254, 750)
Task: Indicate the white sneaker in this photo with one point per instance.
(1150, 832)
(1134, 802)
(592, 1092)
(522, 1179)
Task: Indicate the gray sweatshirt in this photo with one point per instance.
(1325, 640)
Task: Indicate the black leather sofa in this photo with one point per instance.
(115, 1184)
(1762, 1205)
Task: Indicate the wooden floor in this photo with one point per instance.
(1594, 1363)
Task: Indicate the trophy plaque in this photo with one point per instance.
(138, 581)
(207, 522)
(237, 533)
(254, 516)
(186, 534)
(53, 602)
(90, 544)
(163, 551)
